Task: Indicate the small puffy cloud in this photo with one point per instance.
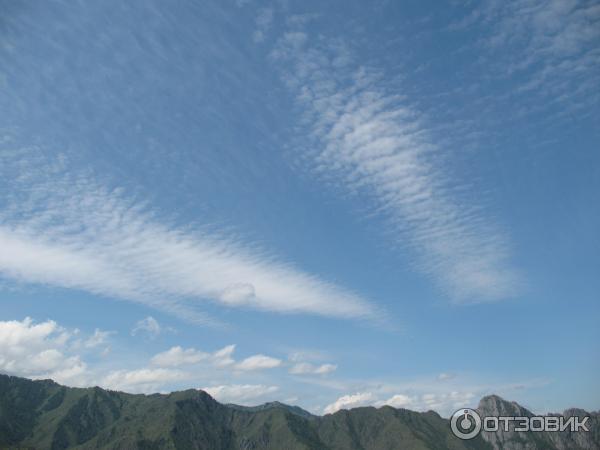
(39, 350)
(240, 393)
(349, 401)
(148, 326)
(177, 356)
(311, 369)
(141, 380)
(258, 362)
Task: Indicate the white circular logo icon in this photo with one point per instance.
(465, 423)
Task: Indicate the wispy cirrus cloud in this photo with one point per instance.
(548, 48)
(369, 139)
(549, 29)
(70, 231)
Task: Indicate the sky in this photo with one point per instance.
(328, 204)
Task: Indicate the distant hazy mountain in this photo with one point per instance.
(45, 415)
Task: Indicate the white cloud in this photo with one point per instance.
(39, 350)
(545, 29)
(422, 394)
(240, 394)
(372, 141)
(545, 47)
(177, 356)
(64, 230)
(301, 366)
(311, 369)
(142, 380)
(442, 401)
(397, 401)
(325, 368)
(349, 401)
(222, 358)
(238, 294)
(148, 326)
(258, 362)
(47, 350)
(439, 401)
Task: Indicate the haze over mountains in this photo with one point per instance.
(45, 415)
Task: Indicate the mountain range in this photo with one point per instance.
(42, 414)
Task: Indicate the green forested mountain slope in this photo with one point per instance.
(45, 415)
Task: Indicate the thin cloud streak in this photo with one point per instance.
(71, 232)
(371, 140)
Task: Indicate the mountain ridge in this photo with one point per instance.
(42, 414)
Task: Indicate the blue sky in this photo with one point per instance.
(330, 205)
